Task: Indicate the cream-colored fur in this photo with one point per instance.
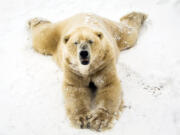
(84, 108)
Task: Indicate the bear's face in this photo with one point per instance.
(82, 47)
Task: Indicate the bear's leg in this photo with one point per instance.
(130, 26)
(77, 103)
(107, 101)
(44, 36)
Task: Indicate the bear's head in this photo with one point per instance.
(84, 48)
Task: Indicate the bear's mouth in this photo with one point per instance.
(84, 61)
(84, 56)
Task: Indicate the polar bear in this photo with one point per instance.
(86, 48)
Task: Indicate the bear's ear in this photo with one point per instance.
(66, 39)
(99, 34)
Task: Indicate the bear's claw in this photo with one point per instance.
(101, 120)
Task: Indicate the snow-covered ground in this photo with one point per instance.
(31, 101)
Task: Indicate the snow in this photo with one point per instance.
(31, 99)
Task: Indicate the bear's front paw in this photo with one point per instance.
(80, 121)
(100, 120)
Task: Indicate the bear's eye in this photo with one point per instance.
(90, 41)
(99, 35)
(76, 43)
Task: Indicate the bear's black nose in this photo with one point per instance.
(83, 54)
